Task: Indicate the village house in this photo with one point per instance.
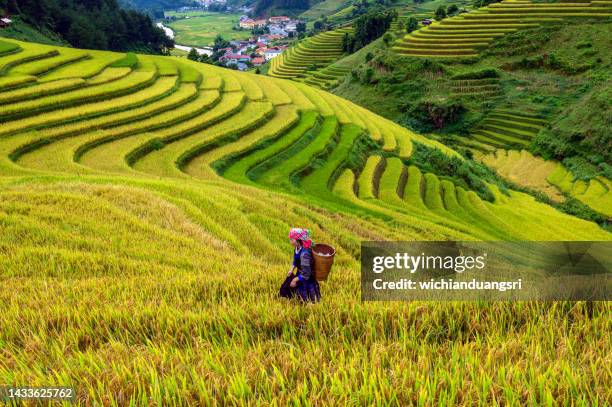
(277, 30)
(278, 19)
(5, 22)
(273, 52)
(250, 24)
(233, 59)
(258, 61)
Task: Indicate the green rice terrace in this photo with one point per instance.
(507, 129)
(467, 34)
(423, 10)
(144, 208)
(308, 61)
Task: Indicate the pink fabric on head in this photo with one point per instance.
(301, 234)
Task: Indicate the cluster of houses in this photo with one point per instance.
(254, 52)
(278, 25)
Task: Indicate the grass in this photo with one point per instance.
(326, 7)
(200, 29)
(140, 275)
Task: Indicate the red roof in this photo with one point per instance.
(258, 61)
(235, 56)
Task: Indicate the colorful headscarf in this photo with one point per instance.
(301, 234)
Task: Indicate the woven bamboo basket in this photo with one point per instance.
(323, 256)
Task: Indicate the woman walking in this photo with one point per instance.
(304, 283)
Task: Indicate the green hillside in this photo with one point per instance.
(543, 88)
(144, 208)
(464, 35)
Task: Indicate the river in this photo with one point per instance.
(170, 34)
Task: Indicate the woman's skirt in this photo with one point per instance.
(307, 291)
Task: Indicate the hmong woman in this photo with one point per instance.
(303, 284)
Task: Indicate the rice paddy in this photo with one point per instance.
(465, 35)
(507, 129)
(550, 178)
(143, 233)
(308, 60)
(199, 29)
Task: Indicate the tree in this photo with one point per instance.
(452, 10)
(347, 43)
(318, 25)
(387, 39)
(483, 3)
(371, 26)
(12, 7)
(220, 43)
(300, 27)
(193, 55)
(412, 25)
(440, 13)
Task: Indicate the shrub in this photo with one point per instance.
(466, 173)
(440, 13)
(484, 73)
(412, 25)
(434, 115)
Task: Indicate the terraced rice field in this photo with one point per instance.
(424, 10)
(327, 77)
(522, 168)
(550, 178)
(463, 36)
(308, 61)
(143, 234)
(478, 88)
(506, 129)
(594, 193)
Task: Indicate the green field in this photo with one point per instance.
(201, 28)
(324, 8)
(144, 212)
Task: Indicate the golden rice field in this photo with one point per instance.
(550, 178)
(143, 221)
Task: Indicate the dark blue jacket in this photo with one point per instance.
(302, 259)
